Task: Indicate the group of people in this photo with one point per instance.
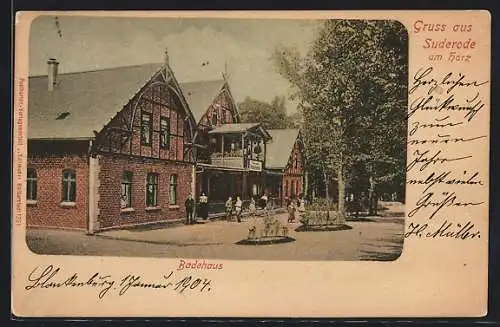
(234, 207)
(190, 205)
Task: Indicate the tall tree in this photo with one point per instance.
(271, 115)
(343, 84)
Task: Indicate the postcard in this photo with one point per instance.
(251, 164)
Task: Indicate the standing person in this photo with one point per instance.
(251, 207)
(189, 204)
(291, 212)
(264, 200)
(203, 210)
(302, 204)
(229, 209)
(237, 207)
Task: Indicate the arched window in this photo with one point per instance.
(68, 186)
(31, 184)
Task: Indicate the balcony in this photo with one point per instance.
(236, 159)
(238, 146)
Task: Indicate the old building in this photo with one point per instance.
(213, 106)
(124, 146)
(285, 175)
(240, 159)
(108, 148)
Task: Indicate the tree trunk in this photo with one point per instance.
(341, 189)
(372, 201)
(306, 183)
(327, 182)
(357, 204)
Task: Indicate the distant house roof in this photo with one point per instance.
(200, 95)
(279, 149)
(82, 102)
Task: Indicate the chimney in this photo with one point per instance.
(52, 65)
(166, 58)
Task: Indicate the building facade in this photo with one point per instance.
(285, 164)
(108, 149)
(125, 146)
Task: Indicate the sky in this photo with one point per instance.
(245, 45)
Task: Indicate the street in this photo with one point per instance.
(376, 238)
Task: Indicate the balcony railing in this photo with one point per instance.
(234, 159)
(227, 161)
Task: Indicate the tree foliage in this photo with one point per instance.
(352, 87)
(272, 115)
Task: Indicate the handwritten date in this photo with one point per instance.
(49, 277)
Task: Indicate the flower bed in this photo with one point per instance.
(327, 221)
(273, 232)
(266, 240)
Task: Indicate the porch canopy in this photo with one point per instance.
(251, 128)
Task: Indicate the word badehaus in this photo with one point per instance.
(125, 146)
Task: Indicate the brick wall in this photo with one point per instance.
(47, 211)
(293, 183)
(110, 177)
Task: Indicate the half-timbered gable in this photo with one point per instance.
(221, 111)
(294, 165)
(284, 157)
(212, 105)
(156, 123)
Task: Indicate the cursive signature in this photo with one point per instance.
(459, 231)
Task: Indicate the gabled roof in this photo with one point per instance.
(279, 149)
(200, 95)
(91, 98)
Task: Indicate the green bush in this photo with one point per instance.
(312, 218)
(321, 204)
